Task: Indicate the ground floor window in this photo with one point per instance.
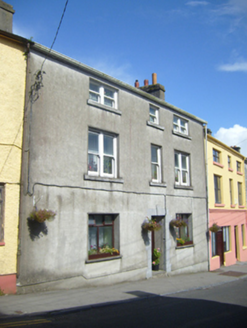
(185, 230)
(213, 243)
(226, 239)
(243, 235)
(103, 235)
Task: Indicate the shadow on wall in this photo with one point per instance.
(36, 229)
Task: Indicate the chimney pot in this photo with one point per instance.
(146, 82)
(154, 78)
(137, 84)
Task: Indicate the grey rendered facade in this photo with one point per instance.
(56, 176)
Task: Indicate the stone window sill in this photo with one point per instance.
(184, 246)
(103, 179)
(118, 257)
(104, 107)
(157, 184)
(183, 187)
(218, 164)
(156, 126)
(219, 205)
(179, 134)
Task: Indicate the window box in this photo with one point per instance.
(104, 255)
(185, 243)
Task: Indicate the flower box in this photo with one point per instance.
(102, 255)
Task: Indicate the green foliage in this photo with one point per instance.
(178, 223)
(156, 256)
(42, 215)
(1, 292)
(151, 225)
(214, 228)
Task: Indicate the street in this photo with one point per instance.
(221, 306)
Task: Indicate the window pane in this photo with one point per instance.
(154, 154)
(108, 102)
(213, 243)
(176, 175)
(184, 162)
(98, 219)
(105, 237)
(108, 219)
(108, 145)
(152, 111)
(154, 172)
(92, 242)
(108, 164)
(93, 145)
(93, 163)
(184, 177)
(176, 160)
(94, 87)
(91, 220)
(109, 93)
(175, 120)
(94, 96)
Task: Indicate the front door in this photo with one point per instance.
(220, 246)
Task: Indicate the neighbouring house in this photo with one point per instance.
(12, 93)
(227, 206)
(105, 157)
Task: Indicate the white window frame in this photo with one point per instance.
(153, 114)
(100, 155)
(101, 94)
(182, 170)
(156, 164)
(178, 126)
(226, 239)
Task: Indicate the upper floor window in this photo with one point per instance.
(231, 191)
(156, 163)
(182, 176)
(217, 189)
(229, 162)
(1, 213)
(216, 156)
(102, 154)
(240, 196)
(154, 114)
(180, 125)
(102, 94)
(238, 166)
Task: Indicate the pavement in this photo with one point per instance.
(69, 300)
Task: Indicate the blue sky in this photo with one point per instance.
(197, 48)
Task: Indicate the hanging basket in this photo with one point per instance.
(42, 215)
(177, 223)
(214, 228)
(151, 225)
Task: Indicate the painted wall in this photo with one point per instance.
(227, 214)
(56, 178)
(12, 90)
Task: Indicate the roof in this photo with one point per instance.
(60, 57)
(15, 37)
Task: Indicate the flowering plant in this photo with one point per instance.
(214, 228)
(103, 250)
(181, 241)
(42, 215)
(151, 225)
(178, 223)
(156, 256)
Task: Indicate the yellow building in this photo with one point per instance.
(12, 93)
(227, 206)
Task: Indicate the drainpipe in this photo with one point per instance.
(207, 204)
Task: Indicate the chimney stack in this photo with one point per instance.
(236, 148)
(155, 89)
(137, 84)
(6, 16)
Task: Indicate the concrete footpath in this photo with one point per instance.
(84, 298)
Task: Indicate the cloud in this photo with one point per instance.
(233, 8)
(240, 66)
(234, 136)
(197, 3)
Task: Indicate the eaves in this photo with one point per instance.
(62, 58)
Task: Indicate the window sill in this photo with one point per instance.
(233, 206)
(241, 206)
(239, 173)
(103, 259)
(229, 169)
(185, 246)
(219, 205)
(104, 107)
(157, 184)
(218, 164)
(154, 125)
(179, 134)
(103, 179)
(2, 243)
(183, 187)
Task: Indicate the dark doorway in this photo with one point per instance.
(220, 246)
(157, 240)
(236, 241)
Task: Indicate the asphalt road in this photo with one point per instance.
(222, 306)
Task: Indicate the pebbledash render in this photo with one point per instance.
(106, 156)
